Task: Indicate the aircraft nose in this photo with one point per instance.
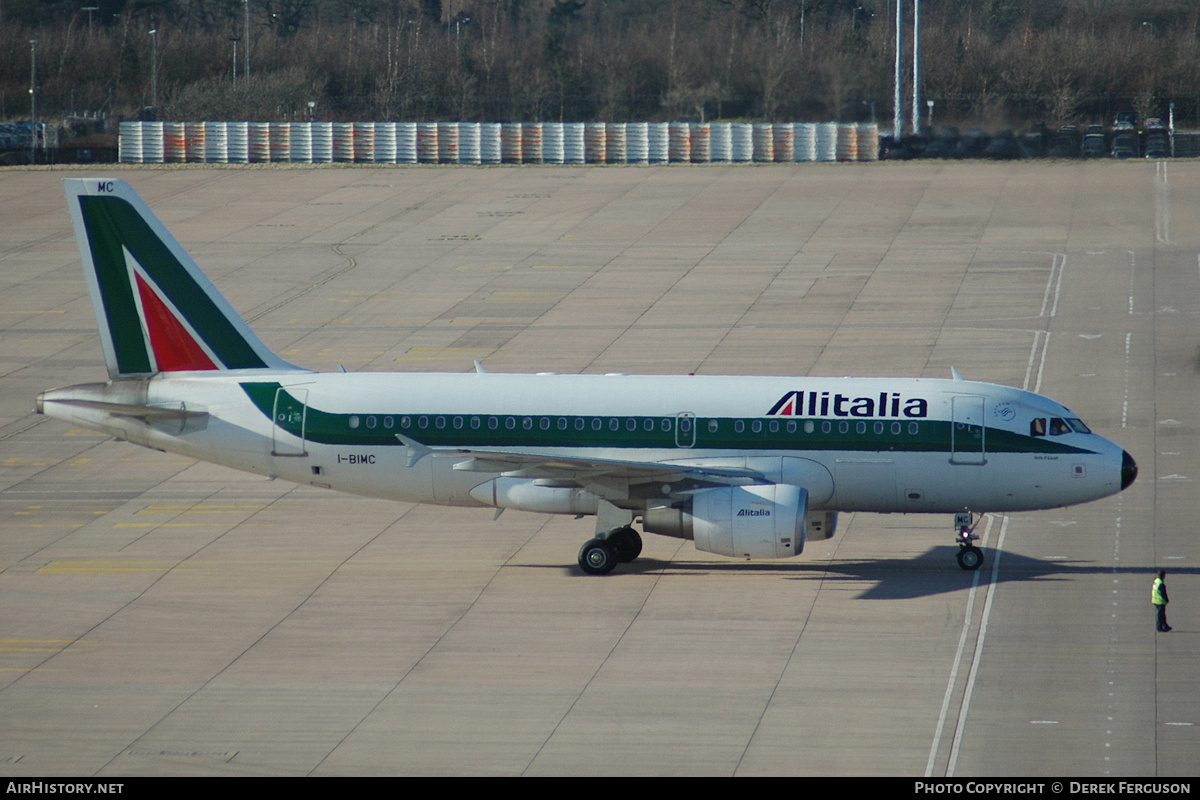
(1128, 470)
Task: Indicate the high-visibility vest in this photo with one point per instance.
(1156, 596)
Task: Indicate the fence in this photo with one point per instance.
(495, 143)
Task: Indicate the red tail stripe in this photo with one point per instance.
(175, 349)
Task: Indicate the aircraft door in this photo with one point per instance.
(967, 432)
(290, 416)
(685, 429)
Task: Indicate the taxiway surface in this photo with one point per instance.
(159, 616)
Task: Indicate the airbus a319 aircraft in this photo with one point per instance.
(746, 467)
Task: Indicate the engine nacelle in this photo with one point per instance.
(740, 521)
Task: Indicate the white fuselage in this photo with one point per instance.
(879, 444)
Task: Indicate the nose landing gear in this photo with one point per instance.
(969, 556)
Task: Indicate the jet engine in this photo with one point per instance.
(741, 521)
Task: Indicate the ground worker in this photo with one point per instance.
(1158, 596)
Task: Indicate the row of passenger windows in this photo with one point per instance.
(683, 425)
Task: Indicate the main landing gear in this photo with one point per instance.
(969, 556)
(600, 555)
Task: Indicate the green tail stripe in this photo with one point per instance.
(112, 223)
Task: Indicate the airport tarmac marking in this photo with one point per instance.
(182, 508)
(65, 567)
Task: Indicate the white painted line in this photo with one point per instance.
(977, 658)
(962, 646)
(1062, 267)
(1132, 273)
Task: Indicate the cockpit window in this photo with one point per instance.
(1058, 426)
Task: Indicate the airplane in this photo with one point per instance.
(746, 467)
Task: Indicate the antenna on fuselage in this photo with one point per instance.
(954, 374)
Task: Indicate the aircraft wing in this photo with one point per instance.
(605, 477)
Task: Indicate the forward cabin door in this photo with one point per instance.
(968, 437)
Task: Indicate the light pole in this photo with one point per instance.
(90, 9)
(898, 99)
(930, 122)
(916, 107)
(33, 101)
(246, 36)
(235, 40)
(154, 70)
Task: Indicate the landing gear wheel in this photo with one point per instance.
(597, 557)
(626, 543)
(970, 558)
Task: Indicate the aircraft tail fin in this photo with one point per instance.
(156, 311)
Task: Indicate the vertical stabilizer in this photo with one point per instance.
(157, 312)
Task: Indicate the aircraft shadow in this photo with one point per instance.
(931, 573)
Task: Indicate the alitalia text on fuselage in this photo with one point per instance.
(824, 403)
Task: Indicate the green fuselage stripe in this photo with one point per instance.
(641, 432)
